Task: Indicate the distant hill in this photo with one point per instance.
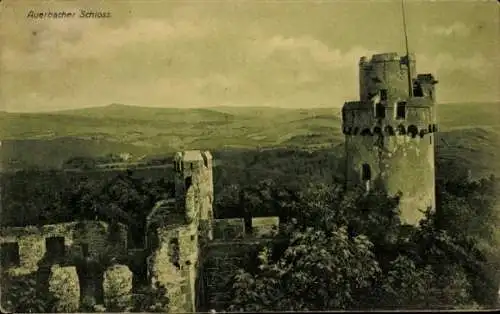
(469, 131)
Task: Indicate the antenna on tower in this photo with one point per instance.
(410, 85)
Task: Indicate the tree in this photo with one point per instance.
(317, 271)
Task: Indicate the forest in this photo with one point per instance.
(344, 249)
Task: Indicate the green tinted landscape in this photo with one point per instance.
(469, 132)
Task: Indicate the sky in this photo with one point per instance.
(295, 54)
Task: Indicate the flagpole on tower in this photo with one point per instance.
(410, 85)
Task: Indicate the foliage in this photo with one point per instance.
(24, 294)
(40, 197)
(152, 299)
(64, 285)
(117, 288)
(317, 271)
(440, 264)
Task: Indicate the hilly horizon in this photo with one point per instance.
(468, 131)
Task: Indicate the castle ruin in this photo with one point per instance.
(187, 251)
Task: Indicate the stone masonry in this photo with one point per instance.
(390, 133)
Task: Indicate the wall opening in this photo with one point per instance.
(55, 247)
(401, 110)
(188, 182)
(412, 130)
(417, 89)
(10, 254)
(366, 176)
(85, 249)
(366, 172)
(401, 130)
(389, 130)
(136, 238)
(379, 111)
(383, 94)
(366, 132)
(174, 252)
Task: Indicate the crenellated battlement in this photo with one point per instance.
(389, 131)
(411, 130)
(385, 57)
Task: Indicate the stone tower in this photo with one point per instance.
(178, 229)
(389, 132)
(194, 189)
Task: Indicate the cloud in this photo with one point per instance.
(474, 64)
(307, 48)
(56, 42)
(455, 29)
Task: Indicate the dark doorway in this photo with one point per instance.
(55, 247)
(10, 254)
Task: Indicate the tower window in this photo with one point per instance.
(417, 90)
(366, 172)
(188, 182)
(383, 94)
(55, 247)
(366, 175)
(10, 254)
(379, 111)
(401, 110)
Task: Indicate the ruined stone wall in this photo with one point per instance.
(96, 235)
(194, 189)
(173, 264)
